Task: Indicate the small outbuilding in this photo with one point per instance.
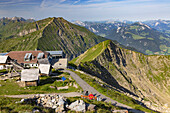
(45, 69)
(60, 63)
(30, 77)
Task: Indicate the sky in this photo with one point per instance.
(87, 10)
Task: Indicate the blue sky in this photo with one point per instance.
(90, 10)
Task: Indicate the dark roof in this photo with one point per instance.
(55, 52)
(43, 61)
(19, 56)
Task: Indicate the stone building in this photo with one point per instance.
(30, 77)
(28, 58)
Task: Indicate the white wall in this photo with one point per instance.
(1, 67)
(33, 65)
(61, 63)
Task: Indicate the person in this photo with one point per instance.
(98, 98)
(87, 93)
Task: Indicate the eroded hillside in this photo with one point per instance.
(140, 75)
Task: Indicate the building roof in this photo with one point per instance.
(3, 59)
(20, 55)
(43, 61)
(55, 52)
(44, 68)
(3, 54)
(29, 74)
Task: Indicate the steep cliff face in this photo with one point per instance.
(147, 77)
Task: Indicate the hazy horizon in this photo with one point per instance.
(87, 10)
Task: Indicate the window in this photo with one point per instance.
(28, 57)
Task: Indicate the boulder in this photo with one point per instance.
(60, 109)
(91, 107)
(35, 110)
(60, 106)
(78, 105)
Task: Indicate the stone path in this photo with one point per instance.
(71, 94)
(87, 87)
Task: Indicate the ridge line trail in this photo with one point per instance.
(82, 56)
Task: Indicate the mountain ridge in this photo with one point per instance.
(51, 34)
(132, 72)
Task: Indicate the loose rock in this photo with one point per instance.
(78, 105)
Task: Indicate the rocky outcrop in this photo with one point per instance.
(25, 32)
(56, 102)
(59, 103)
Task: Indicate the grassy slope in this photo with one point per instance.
(135, 37)
(91, 53)
(26, 42)
(53, 34)
(63, 35)
(10, 29)
(10, 87)
(8, 105)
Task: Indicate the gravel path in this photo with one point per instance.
(87, 87)
(71, 94)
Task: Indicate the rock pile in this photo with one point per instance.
(57, 102)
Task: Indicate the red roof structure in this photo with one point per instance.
(19, 56)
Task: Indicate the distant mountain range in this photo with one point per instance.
(19, 19)
(148, 37)
(160, 25)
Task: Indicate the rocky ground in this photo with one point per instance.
(61, 105)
